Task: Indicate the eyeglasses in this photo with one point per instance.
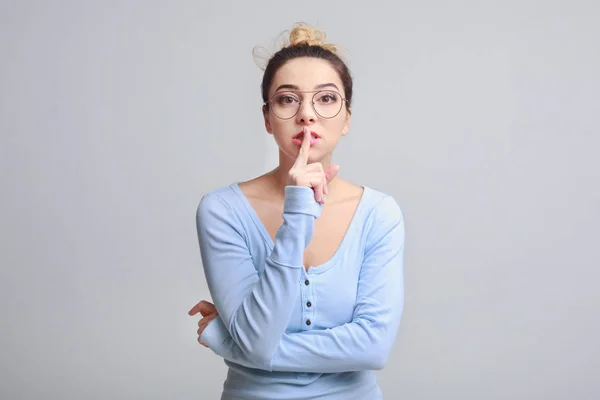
(326, 103)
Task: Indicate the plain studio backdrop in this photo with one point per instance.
(479, 117)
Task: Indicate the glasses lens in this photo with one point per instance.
(285, 104)
(327, 103)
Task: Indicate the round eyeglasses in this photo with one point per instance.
(326, 103)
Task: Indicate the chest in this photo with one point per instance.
(330, 228)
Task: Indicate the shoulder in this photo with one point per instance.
(375, 205)
(379, 205)
(383, 205)
(219, 201)
(219, 217)
(384, 216)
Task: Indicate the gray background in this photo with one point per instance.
(479, 117)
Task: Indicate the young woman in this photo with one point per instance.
(305, 269)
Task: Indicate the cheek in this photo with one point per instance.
(283, 126)
(282, 131)
(336, 125)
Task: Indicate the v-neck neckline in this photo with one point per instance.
(316, 269)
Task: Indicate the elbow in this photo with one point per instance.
(382, 344)
(254, 345)
(255, 351)
(376, 350)
(261, 357)
(257, 354)
(378, 353)
(377, 360)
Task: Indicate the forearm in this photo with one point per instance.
(256, 309)
(356, 346)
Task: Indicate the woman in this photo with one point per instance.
(305, 269)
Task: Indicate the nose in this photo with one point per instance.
(306, 113)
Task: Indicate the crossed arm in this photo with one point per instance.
(254, 311)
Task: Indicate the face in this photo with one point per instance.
(295, 84)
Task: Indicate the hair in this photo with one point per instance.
(307, 41)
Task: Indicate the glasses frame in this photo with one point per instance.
(312, 101)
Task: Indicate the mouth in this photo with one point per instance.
(300, 135)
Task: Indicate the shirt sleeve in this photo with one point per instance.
(367, 341)
(255, 310)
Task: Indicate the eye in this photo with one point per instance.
(327, 98)
(286, 99)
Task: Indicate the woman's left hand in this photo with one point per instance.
(208, 312)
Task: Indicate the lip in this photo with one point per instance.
(300, 135)
(299, 138)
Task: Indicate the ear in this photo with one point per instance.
(346, 124)
(268, 126)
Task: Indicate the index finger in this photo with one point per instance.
(202, 307)
(194, 310)
(302, 158)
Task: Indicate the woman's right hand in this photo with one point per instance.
(311, 175)
(208, 312)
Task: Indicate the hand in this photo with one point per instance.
(208, 312)
(311, 175)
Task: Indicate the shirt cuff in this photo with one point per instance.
(301, 200)
(214, 334)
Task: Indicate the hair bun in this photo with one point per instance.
(309, 35)
(300, 34)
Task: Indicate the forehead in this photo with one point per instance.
(306, 73)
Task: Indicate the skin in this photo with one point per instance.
(306, 74)
(300, 163)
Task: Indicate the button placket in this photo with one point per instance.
(308, 304)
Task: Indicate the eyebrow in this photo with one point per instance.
(319, 86)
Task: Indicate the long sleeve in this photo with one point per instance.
(255, 309)
(366, 342)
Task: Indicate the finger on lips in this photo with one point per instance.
(319, 181)
(302, 158)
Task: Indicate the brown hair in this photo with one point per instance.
(305, 41)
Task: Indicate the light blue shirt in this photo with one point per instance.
(287, 333)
